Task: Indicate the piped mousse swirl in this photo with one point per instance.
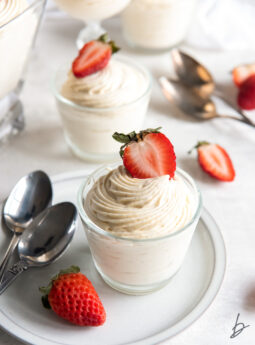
(115, 85)
(140, 208)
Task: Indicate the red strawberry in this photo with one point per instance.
(246, 96)
(242, 72)
(72, 296)
(93, 57)
(215, 161)
(147, 154)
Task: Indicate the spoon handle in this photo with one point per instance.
(243, 120)
(237, 109)
(12, 274)
(8, 253)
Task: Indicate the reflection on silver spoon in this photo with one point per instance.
(191, 103)
(30, 196)
(44, 240)
(196, 76)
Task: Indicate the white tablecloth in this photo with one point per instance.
(42, 146)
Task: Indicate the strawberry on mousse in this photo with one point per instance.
(100, 95)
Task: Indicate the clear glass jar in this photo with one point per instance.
(137, 266)
(16, 38)
(157, 24)
(91, 12)
(88, 131)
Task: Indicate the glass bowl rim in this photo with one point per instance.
(129, 61)
(103, 232)
(33, 4)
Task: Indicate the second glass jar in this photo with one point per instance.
(157, 24)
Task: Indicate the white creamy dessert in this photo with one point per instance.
(143, 240)
(157, 24)
(94, 107)
(17, 31)
(92, 9)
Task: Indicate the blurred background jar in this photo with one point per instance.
(91, 12)
(19, 20)
(157, 24)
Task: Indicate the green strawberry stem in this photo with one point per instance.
(132, 136)
(105, 39)
(200, 143)
(46, 289)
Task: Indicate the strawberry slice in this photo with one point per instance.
(147, 154)
(93, 57)
(242, 72)
(246, 95)
(215, 161)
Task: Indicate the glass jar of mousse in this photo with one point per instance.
(157, 24)
(137, 265)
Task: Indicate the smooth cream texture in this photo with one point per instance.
(140, 208)
(157, 24)
(117, 84)
(15, 41)
(92, 9)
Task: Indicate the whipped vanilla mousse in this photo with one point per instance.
(114, 98)
(138, 230)
(17, 30)
(139, 217)
(157, 24)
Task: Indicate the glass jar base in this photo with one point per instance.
(11, 117)
(136, 290)
(150, 50)
(90, 156)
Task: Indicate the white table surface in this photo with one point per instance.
(42, 146)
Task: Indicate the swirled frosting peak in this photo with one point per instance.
(10, 9)
(140, 208)
(117, 84)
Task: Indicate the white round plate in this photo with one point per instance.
(137, 320)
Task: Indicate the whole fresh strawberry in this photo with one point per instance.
(242, 73)
(246, 95)
(72, 296)
(147, 154)
(94, 56)
(215, 161)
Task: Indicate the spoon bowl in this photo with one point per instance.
(193, 74)
(191, 103)
(44, 241)
(30, 196)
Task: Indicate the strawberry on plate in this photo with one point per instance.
(215, 161)
(246, 95)
(72, 296)
(94, 56)
(242, 72)
(147, 154)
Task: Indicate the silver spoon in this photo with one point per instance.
(30, 196)
(195, 75)
(44, 240)
(191, 103)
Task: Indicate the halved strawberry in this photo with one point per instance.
(246, 95)
(242, 72)
(215, 161)
(93, 57)
(147, 154)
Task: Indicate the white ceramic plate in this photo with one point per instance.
(137, 320)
